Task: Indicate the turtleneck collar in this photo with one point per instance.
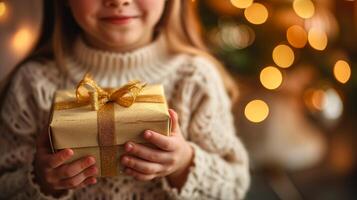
(111, 69)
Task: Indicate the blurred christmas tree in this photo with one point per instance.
(262, 41)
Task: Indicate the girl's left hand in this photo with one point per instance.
(171, 157)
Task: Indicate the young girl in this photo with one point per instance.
(116, 41)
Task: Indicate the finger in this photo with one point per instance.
(76, 167)
(139, 176)
(147, 153)
(174, 121)
(140, 165)
(77, 180)
(161, 141)
(55, 160)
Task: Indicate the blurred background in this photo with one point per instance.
(295, 64)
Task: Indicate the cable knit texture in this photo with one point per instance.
(193, 89)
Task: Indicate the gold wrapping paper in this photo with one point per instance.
(77, 128)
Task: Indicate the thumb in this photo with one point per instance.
(175, 127)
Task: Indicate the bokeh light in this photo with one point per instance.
(22, 40)
(342, 71)
(242, 3)
(271, 77)
(256, 13)
(325, 101)
(230, 36)
(317, 99)
(313, 99)
(325, 20)
(296, 36)
(304, 8)
(2, 9)
(256, 111)
(317, 39)
(332, 107)
(283, 56)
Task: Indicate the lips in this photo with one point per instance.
(119, 19)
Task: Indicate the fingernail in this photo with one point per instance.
(129, 147)
(147, 134)
(69, 152)
(94, 181)
(125, 160)
(91, 160)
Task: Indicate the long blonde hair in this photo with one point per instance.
(179, 24)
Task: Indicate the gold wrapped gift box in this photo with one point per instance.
(87, 131)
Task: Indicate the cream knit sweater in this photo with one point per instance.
(193, 89)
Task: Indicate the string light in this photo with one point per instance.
(342, 71)
(317, 39)
(271, 77)
(242, 3)
(283, 56)
(256, 111)
(296, 36)
(256, 13)
(304, 8)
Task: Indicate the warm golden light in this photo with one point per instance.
(317, 39)
(22, 40)
(342, 71)
(233, 36)
(271, 77)
(317, 99)
(296, 36)
(256, 111)
(304, 8)
(326, 102)
(2, 9)
(314, 99)
(283, 56)
(242, 3)
(256, 13)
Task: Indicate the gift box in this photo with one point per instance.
(97, 122)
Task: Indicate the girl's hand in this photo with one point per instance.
(171, 157)
(54, 176)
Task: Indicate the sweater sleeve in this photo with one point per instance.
(220, 166)
(24, 113)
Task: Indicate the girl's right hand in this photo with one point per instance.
(54, 176)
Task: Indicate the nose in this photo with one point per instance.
(117, 3)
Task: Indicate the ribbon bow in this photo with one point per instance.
(89, 92)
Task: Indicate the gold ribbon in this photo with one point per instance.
(88, 92)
